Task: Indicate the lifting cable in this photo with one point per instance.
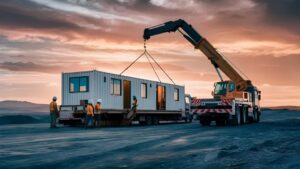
(133, 62)
(147, 54)
(152, 67)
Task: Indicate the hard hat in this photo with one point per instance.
(91, 101)
(99, 101)
(134, 97)
(54, 98)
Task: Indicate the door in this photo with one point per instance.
(127, 94)
(161, 97)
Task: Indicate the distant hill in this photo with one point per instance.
(282, 108)
(11, 106)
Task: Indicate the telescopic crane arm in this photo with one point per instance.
(199, 42)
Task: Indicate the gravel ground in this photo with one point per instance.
(272, 143)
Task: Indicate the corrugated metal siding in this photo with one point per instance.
(171, 103)
(74, 98)
(98, 89)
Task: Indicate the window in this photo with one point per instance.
(144, 90)
(187, 100)
(79, 84)
(83, 102)
(115, 86)
(176, 94)
(231, 87)
(220, 88)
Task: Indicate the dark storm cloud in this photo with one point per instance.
(284, 10)
(27, 17)
(282, 13)
(31, 17)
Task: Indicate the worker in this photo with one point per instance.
(53, 112)
(134, 105)
(89, 114)
(98, 113)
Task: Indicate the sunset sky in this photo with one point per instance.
(39, 39)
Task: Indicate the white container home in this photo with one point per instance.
(117, 91)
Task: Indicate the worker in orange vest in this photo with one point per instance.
(89, 114)
(98, 113)
(53, 112)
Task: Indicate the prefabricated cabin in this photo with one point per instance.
(117, 91)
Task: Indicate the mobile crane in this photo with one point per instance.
(235, 101)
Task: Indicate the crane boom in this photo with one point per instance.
(199, 42)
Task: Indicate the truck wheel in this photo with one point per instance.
(254, 119)
(220, 122)
(245, 115)
(205, 122)
(241, 112)
(258, 116)
(191, 119)
(185, 119)
(148, 120)
(155, 120)
(195, 117)
(238, 116)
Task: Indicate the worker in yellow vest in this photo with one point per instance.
(53, 112)
(98, 113)
(89, 114)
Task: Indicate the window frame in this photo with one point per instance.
(112, 86)
(176, 99)
(230, 87)
(146, 90)
(80, 77)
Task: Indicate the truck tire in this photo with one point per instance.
(185, 119)
(232, 122)
(190, 119)
(155, 120)
(142, 123)
(220, 122)
(148, 120)
(205, 122)
(258, 116)
(245, 115)
(241, 112)
(255, 114)
(237, 116)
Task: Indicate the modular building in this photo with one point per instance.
(117, 91)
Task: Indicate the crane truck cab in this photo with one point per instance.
(228, 90)
(228, 105)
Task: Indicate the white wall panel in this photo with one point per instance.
(98, 89)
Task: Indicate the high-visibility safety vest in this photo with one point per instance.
(90, 110)
(53, 107)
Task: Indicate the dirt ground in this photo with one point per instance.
(272, 143)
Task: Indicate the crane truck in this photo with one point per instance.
(235, 101)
